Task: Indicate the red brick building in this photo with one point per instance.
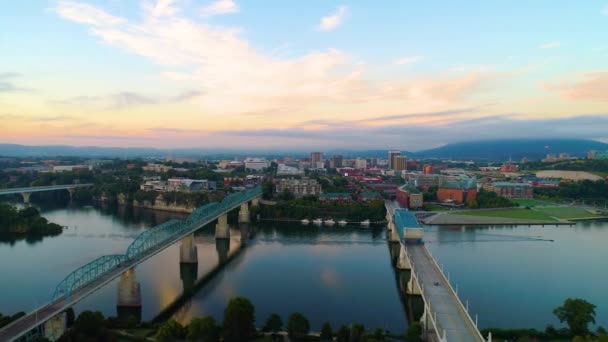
(409, 197)
(458, 191)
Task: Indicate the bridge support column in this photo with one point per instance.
(244, 213)
(255, 201)
(26, 197)
(222, 247)
(71, 192)
(222, 230)
(403, 263)
(413, 288)
(55, 327)
(129, 296)
(188, 253)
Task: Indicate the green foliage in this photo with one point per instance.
(584, 190)
(25, 221)
(203, 329)
(298, 325)
(286, 195)
(6, 320)
(268, 190)
(357, 333)
(489, 199)
(577, 313)
(414, 332)
(274, 323)
(170, 331)
(343, 334)
(430, 195)
(326, 332)
(239, 320)
(310, 207)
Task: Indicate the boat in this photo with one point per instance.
(330, 222)
(318, 221)
(365, 223)
(342, 222)
(305, 221)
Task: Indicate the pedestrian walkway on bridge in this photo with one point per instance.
(445, 318)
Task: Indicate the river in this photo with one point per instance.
(512, 276)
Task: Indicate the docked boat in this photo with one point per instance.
(365, 223)
(342, 222)
(330, 222)
(318, 221)
(305, 221)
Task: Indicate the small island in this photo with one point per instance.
(25, 223)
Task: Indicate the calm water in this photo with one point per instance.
(513, 277)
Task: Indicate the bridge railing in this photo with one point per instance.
(87, 273)
(464, 308)
(149, 240)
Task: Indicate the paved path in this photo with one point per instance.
(443, 302)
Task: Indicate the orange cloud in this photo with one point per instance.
(592, 86)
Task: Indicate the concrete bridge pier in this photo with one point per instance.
(255, 201)
(244, 213)
(403, 262)
(222, 247)
(413, 288)
(71, 191)
(188, 253)
(26, 197)
(129, 297)
(394, 249)
(393, 234)
(222, 230)
(55, 327)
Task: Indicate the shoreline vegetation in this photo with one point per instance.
(26, 223)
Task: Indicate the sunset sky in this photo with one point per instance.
(301, 74)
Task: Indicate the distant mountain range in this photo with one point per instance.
(475, 150)
(514, 149)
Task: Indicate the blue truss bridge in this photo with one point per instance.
(94, 275)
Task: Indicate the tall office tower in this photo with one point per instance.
(400, 163)
(391, 159)
(337, 160)
(316, 157)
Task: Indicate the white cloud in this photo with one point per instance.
(550, 45)
(86, 14)
(605, 10)
(408, 60)
(331, 22)
(220, 7)
(162, 8)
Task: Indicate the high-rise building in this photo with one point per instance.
(391, 158)
(361, 163)
(337, 160)
(399, 163)
(316, 157)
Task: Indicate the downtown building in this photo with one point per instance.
(299, 187)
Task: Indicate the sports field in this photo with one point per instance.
(509, 213)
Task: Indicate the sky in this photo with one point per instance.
(308, 74)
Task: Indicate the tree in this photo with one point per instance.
(357, 333)
(414, 332)
(203, 329)
(170, 331)
(90, 323)
(274, 323)
(577, 313)
(239, 320)
(326, 332)
(298, 325)
(267, 190)
(343, 334)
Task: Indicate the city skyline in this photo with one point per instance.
(322, 74)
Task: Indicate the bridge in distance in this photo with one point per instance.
(27, 191)
(49, 320)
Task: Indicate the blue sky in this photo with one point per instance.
(274, 72)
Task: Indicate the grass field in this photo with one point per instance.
(528, 202)
(434, 207)
(567, 212)
(525, 214)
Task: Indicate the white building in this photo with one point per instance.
(283, 169)
(256, 164)
(361, 164)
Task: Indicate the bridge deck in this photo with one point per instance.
(41, 188)
(443, 302)
(33, 319)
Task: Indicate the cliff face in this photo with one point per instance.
(160, 205)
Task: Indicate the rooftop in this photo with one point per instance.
(406, 219)
(511, 185)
